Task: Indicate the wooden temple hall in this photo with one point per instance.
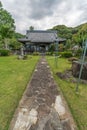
(39, 41)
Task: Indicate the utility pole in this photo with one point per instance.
(56, 53)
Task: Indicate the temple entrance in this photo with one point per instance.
(42, 49)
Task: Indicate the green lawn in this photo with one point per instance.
(14, 77)
(77, 102)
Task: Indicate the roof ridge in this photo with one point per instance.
(43, 31)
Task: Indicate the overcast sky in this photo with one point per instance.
(44, 14)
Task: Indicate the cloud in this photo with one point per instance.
(44, 14)
(83, 7)
(42, 8)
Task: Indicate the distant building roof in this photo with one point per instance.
(38, 36)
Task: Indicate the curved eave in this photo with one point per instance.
(23, 40)
(41, 43)
(60, 40)
(34, 42)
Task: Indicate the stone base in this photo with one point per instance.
(24, 57)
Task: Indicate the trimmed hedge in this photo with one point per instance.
(4, 52)
(49, 53)
(66, 54)
(36, 53)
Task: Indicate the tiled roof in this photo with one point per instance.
(41, 36)
(38, 36)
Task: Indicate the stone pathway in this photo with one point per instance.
(42, 107)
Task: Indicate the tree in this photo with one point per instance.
(14, 44)
(31, 28)
(68, 44)
(52, 48)
(7, 26)
(0, 4)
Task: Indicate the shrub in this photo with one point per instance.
(57, 53)
(4, 52)
(66, 54)
(49, 53)
(79, 52)
(36, 53)
(53, 53)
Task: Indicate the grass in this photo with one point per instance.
(14, 77)
(76, 102)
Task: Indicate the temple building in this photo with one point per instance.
(40, 41)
